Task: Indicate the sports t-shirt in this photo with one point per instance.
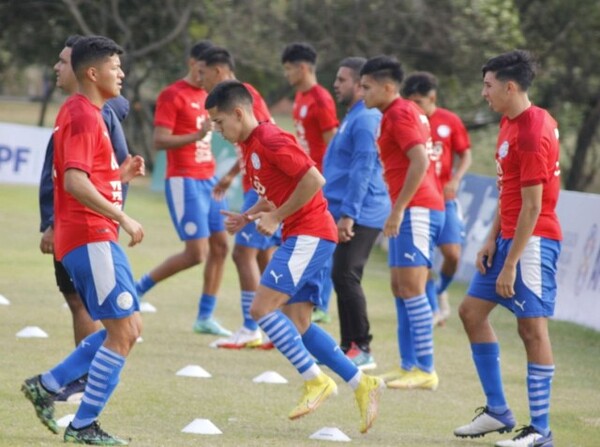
(275, 164)
(314, 113)
(180, 108)
(528, 154)
(449, 137)
(81, 141)
(404, 126)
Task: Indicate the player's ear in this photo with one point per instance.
(238, 112)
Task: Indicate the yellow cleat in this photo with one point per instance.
(416, 379)
(316, 391)
(367, 397)
(394, 374)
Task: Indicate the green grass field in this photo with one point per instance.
(152, 404)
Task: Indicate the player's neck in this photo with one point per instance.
(307, 83)
(250, 124)
(92, 94)
(518, 106)
(388, 101)
(190, 80)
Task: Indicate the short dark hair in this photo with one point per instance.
(516, 65)
(299, 52)
(72, 40)
(200, 47)
(383, 67)
(420, 83)
(92, 49)
(355, 64)
(227, 95)
(217, 56)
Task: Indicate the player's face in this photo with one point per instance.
(65, 78)
(426, 102)
(209, 76)
(345, 87)
(292, 73)
(229, 124)
(109, 77)
(495, 92)
(374, 92)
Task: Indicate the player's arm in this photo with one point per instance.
(531, 197)
(225, 182)
(485, 255)
(417, 168)
(78, 184)
(165, 139)
(463, 165)
(234, 222)
(328, 135)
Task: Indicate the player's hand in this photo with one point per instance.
(47, 242)
(392, 224)
(266, 222)
(505, 284)
(133, 228)
(345, 229)
(234, 222)
(207, 126)
(450, 188)
(485, 256)
(132, 167)
(221, 188)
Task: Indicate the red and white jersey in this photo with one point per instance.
(275, 164)
(403, 126)
(449, 137)
(528, 154)
(180, 108)
(314, 113)
(81, 141)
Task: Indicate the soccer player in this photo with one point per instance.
(289, 186)
(415, 221)
(315, 121)
(517, 264)
(182, 129)
(252, 250)
(359, 202)
(450, 142)
(113, 112)
(88, 199)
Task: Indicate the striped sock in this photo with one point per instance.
(539, 384)
(287, 340)
(206, 306)
(247, 298)
(102, 380)
(405, 340)
(486, 357)
(421, 328)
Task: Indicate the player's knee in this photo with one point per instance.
(240, 256)
(530, 334)
(219, 249)
(468, 315)
(195, 256)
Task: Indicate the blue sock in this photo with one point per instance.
(206, 306)
(405, 340)
(76, 364)
(247, 298)
(287, 340)
(445, 281)
(324, 348)
(431, 292)
(539, 384)
(144, 284)
(421, 328)
(102, 380)
(487, 361)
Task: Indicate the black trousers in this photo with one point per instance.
(349, 261)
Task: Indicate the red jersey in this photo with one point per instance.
(528, 154)
(275, 163)
(314, 113)
(180, 108)
(81, 141)
(403, 126)
(449, 137)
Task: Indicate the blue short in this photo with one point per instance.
(249, 235)
(414, 244)
(195, 214)
(298, 268)
(102, 277)
(453, 231)
(535, 285)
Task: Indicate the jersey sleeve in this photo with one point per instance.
(325, 114)
(460, 136)
(407, 132)
(79, 142)
(532, 163)
(289, 158)
(165, 114)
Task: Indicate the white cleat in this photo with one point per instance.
(242, 338)
(486, 422)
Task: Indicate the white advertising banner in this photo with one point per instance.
(22, 151)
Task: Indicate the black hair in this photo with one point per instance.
(200, 47)
(420, 83)
(92, 49)
(299, 52)
(217, 56)
(516, 65)
(227, 95)
(355, 64)
(72, 40)
(383, 67)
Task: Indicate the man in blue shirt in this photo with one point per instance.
(360, 204)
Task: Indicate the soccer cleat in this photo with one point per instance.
(444, 305)
(486, 422)
(316, 391)
(73, 392)
(210, 326)
(394, 374)
(361, 358)
(92, 435)
(320, 316)
(527, 436)
(242, 338)
(416, 379)
(367, 397)
(42, 400)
